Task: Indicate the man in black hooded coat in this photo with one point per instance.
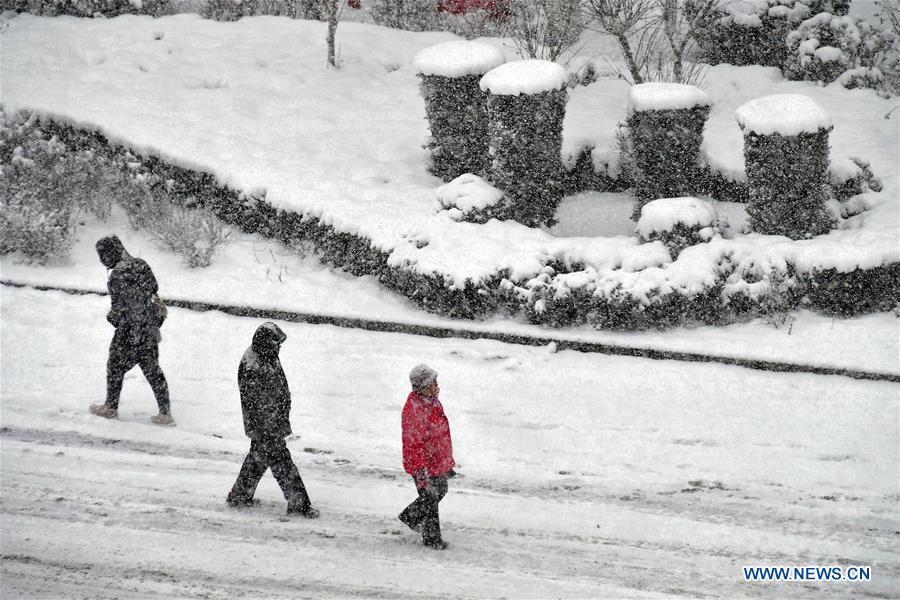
(132, 291)
(266, 407)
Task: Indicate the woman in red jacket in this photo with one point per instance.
(427, 454)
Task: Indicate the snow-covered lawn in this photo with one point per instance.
(584, 476)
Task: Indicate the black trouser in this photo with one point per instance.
(424, 510)
(270, 454)
(127, 349)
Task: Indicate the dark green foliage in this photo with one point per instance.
(682, 236)
(721, 40)
(742, 45)
(457, 116)
(88, 8)
(788, 177)
(855, 292)
(860, 43)
(665, 146)
(525, 134)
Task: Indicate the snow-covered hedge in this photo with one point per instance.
(753, 32)
(470, 198)
(455, 105)
(678, 223)
(825, 46)
(91, 8)
(526, 107)
(786, 153)
(712, 282)
(665, 124)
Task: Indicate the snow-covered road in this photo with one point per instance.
(583, 475)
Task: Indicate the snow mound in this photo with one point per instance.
(466, 194)
(786, 114)
(664, 214)
(524, 77)
(665, 96)
(458, 58)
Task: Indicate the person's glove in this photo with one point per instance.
(451, 474)
(421, 477)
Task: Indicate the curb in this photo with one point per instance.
(470, 334)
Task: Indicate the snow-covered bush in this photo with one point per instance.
(753, 32)
(455, 106)
(786, 155)
(678, 223)
(44, 187)
(825, 46)
(665, 128)
(526, 107)
(91, 8)
(50, 174)
(469, 19)
(658, 293)
(469, 198)
(224, 10)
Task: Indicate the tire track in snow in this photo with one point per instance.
(38, 498)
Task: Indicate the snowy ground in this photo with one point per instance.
(581, 478)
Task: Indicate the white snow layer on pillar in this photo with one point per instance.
(458, 59)
(785, 114)
(664, 214)
(524, 77)
(665, 96)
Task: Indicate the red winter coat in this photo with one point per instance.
(426, 437)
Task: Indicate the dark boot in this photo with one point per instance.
(304, 510)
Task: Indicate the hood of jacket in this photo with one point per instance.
(268, 339)
(111, 251)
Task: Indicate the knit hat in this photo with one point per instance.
(421, 377)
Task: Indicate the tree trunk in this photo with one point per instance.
(629, 58)
(332, 30)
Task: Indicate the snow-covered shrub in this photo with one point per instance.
(854, 292)
(825, 46)
(94, 8)
(665, 126)
(184, 228)
(786, 155)
(455, 106)
(851, 177)
(526, 107)
(753, 32)
(412, 15)
(565, 292)
(224, 10)
(678, 223)
(469, 198)
(44, 187)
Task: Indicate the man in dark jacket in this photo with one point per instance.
(266, 406)
(134, 314)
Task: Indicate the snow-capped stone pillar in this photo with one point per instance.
(786, 157)
(666, 122)
(526, 106)
(455, 106)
